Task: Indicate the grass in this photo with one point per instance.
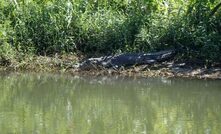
(29, 27)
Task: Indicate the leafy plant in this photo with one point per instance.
(104, 27)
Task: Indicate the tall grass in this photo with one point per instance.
(103, 26)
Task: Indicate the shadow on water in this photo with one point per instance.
(46, 103)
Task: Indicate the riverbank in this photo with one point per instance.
(110, 27)
(169, 70)
(64, 64)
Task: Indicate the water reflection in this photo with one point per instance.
(33, 103)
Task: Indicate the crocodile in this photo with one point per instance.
(125, 60)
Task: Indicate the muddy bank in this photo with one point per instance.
(64, 64)
(166, 69)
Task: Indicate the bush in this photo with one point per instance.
(92, 27)
(6, 36)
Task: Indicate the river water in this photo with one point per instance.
(62, 104)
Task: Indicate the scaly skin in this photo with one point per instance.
(123, 60)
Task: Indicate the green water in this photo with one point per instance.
(61, 104)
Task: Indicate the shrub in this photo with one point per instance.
(102, 27)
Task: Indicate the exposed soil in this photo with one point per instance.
(165, 69)
(64, 64)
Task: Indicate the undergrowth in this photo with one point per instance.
(192, 27)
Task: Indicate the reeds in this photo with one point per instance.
(105, 27)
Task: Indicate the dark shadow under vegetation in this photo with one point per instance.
(91, 28)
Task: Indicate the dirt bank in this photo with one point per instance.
(166, 69)
(65, 64)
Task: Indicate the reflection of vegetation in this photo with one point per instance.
(62, 104)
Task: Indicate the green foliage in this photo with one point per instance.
(188, 28)
(102, 26)
(6, 54)
(6, 50)
(45, 26)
